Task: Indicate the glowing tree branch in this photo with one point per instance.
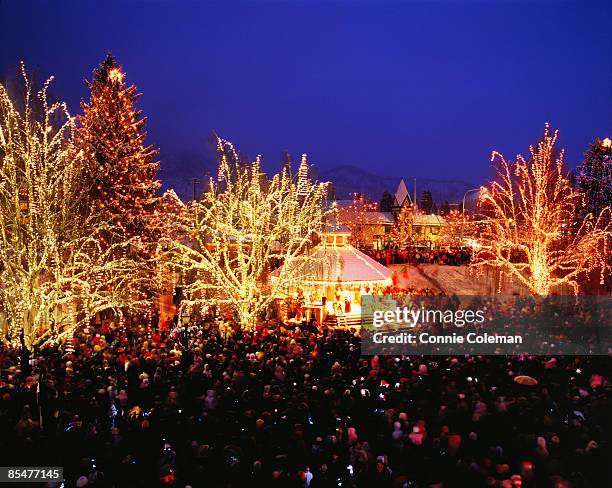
(244, 226)
(54, 275)
(459, 228)
(355, 218)
(531, 232)
(401, 234)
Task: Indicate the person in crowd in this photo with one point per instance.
(415, 255)
(300, 407)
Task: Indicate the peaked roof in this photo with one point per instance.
(333, 264)
(374, 217)
(333, 228)
(401, 193)
(429, 219)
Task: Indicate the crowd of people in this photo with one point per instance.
(299, 407)
(415, 255)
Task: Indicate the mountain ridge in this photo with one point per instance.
(179, 169)
(348, 179)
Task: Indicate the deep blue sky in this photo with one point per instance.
(403, 88)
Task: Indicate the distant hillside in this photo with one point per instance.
(177, 171)
(348, 179)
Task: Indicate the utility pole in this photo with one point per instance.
(195, 182)
(463, 212)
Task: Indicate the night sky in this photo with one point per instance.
(398, 88)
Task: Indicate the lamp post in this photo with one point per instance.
(463, 212)
(195, 181)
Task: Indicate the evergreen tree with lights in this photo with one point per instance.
(54, 273)
(121, 169)
(594, 177)
(303, 181)
(120, 172)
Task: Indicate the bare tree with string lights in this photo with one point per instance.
(401, 233)
(355, 218)
(55, 275)
(530, 232)
(241, 229)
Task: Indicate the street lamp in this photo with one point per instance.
(463, 211)
(195, 181)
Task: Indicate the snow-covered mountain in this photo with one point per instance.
(178, 170)
(348, 179)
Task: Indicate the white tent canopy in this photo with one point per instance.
(344, 264)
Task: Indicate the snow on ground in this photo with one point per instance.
(459, 280)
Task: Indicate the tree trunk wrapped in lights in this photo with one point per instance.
(243, 227)
(401, 234)
(51, 263)
(531, 232)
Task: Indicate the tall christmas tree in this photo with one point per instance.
(121, 168)
(594, 177)
(120, 174)
(303, 181)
